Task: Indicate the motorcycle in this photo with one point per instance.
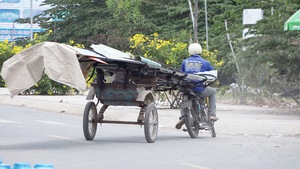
(194, 109)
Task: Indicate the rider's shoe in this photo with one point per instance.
(179, 123)
(213, 118)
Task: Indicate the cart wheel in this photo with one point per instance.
(89, 121)
(151, 123)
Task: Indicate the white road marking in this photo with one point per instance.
(66, 138)
(50, 122)
(194, 166)
(7, 121)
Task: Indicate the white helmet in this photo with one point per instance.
(195, 48)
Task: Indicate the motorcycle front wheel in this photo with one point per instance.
(190, 122)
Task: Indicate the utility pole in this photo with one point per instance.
(272, 8)
(194, 16)
(232, 51)
(206, 23)
(31, 20)
(196, 22)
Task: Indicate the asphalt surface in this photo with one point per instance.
(37, 136)
(247, 136)
(234, 119)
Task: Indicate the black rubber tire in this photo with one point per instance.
(89, 121)
(151, 123)
(212, 130)
(191, 123)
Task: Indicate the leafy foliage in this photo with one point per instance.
(170, 52)
(80, 20)
(114, 22)
(270, 51)
(46, 86)
(6, 51)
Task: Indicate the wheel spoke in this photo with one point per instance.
(153, 122)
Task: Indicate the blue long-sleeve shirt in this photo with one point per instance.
(195, 64)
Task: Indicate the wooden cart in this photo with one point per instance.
(127, 83)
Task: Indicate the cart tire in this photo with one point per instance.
(151, 123)
(89, 121)
(190, 122)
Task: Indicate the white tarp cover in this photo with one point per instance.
(110, 52)
(59, 61)
(117, 55)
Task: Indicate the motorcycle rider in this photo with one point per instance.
(195, 64)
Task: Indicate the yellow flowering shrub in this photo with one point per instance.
(72, 43)
(7, 50)
(17, 49)
(160, 50)
(170, 52)
(79, 45)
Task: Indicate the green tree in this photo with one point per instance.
(270, 55)
(169, 17)
(113, 22)
(85, 21)
(265, 57)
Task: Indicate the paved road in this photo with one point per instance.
(247, 137)
(35, 136)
